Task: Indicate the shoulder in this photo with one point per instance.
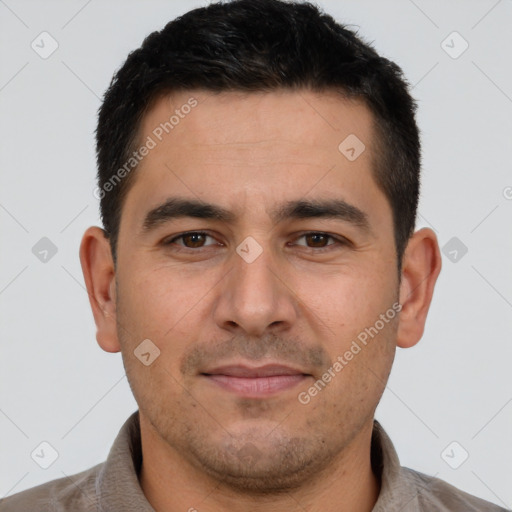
(435, 494)
(75, 492)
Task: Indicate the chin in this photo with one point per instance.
(262, 466)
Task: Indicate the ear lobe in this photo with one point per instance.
(99, 274)
(420, 269)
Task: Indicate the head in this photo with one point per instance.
(257, 122)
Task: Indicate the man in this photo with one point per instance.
(258, 266)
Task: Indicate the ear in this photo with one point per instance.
(99, 274)
(420, 268)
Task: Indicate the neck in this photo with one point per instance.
(171, 484)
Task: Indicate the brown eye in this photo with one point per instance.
(318, 240)
(191, 240)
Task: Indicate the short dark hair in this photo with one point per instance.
(253, 46)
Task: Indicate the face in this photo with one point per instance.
(250, 310)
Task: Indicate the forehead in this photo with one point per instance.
(283, 116)
(230, 147)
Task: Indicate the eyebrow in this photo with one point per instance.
(176, 207)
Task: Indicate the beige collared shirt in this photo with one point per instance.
(113, 486)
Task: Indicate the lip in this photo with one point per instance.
(242, 370)
(255, 382)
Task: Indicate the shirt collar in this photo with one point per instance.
(118, 484)
(397, 491)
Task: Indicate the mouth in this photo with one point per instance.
(255, 382)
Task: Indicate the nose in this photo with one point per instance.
(255, 297)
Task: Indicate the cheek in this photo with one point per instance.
(350, 300)
(153, 306)
(158, 301)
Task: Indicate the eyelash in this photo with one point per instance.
(339, 241)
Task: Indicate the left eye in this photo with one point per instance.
(317, 238)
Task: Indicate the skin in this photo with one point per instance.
(293, 304)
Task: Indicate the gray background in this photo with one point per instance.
(58, 386)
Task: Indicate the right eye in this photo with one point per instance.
(191, 239)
